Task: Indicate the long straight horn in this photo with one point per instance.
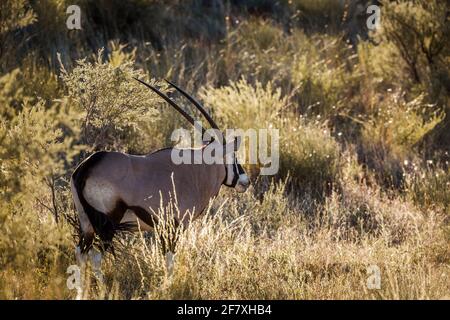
(173, 104)
(197, 104)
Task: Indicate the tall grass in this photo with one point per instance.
(245, 248)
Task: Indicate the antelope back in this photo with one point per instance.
(149, 181)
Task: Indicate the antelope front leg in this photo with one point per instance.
(95, 258)
(80, 257)
(169, 262)
(96, 262)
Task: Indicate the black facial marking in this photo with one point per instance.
(240, 169)
(237, 169)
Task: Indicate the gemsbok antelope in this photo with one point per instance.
(113, 189)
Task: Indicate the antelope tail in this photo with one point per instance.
(103, 226)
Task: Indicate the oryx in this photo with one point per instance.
(111, 189)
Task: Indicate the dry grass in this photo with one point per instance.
(244, 248)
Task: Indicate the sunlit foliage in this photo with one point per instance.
(363, 119)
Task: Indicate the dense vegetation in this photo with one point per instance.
(364, 120)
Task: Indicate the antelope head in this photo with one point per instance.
(236, 176)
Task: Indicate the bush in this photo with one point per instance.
(112, 104)
(241, 105)
(319, 14)
(35, 254)
(310, 156)
(11, 94)
(35, 250)
(33, 151)
(430, 188)
(322, 73)
(259, 49)
(389, 138)
(307, 152)
(14, 15)
(421, 34)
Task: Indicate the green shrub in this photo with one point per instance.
(112, 104)
(307, 151)
(318, 14)
(430, 188)
(390, 137)
(29, 83)
(241, 105)
(420, 31)
(34, 152)
(322, 73)
(11, 93)
(14, 15)
(310, 156)
(259, 49)
(35, 253)
(421, 34)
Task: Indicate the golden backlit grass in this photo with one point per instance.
(363, 181)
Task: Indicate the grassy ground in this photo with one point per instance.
(363, 186)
